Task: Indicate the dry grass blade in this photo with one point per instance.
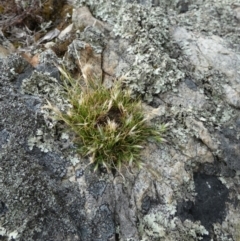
(109, 125)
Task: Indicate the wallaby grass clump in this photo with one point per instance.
(109, 125)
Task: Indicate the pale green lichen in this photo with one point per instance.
(212, 17)
(150, 47)
(152, 70)
(46, 87)
(159, 225)
(42, 140)
(74, 160)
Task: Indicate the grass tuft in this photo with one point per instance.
(109, 125)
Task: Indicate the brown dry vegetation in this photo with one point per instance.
(32, 13)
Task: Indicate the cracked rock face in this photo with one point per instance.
(181, 58)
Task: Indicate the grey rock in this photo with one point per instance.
(51, 69)
(209, 206)
(3, 138)
(229, 144)
(185, 63)
(190, 84)
(97, 189)
(3, 52)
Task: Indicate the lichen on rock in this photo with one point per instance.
(182, 58)
(152, 70)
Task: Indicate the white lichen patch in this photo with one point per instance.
(44, 141)
(47, 88)
(74, 160)
(11, 235)
(65, 136)
(160, 224)
(2, 231)
(44, 86)
(14, 235)
(152, 70)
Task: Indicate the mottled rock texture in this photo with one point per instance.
(182, 58)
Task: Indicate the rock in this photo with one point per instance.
(205, 52)
(184, 63)
(198, 151)
(232, 95)
(212, 52)
(202, 133)
(83, 18)
(63, 34)
(211, 189)
(237, 13)
(6, 47)
(229, 145)
(87, 59)
(49, 36)
(187, 97)
(4, 52)
(111, 60)
(209, 206)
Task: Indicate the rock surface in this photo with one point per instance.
(182, 57)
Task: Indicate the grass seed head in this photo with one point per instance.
(109, 125)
